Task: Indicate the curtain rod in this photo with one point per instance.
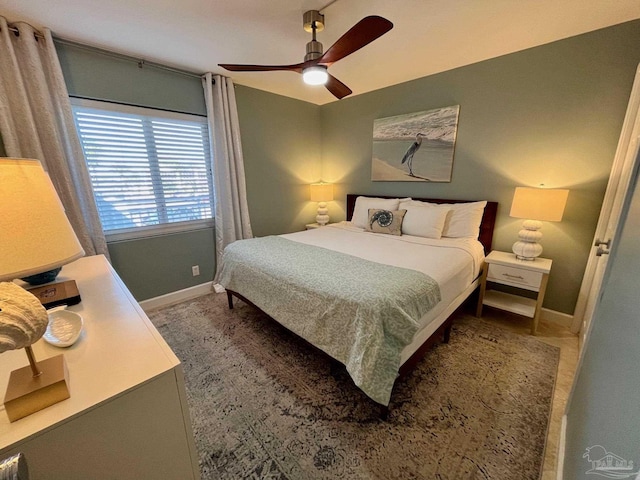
(141, 62)
(36, 33)
(122, 56)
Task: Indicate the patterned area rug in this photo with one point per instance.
(266, 405)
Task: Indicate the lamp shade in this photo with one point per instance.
(36, 235)
(540, 204)
(321, 192)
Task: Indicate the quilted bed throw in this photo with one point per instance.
(360, 312)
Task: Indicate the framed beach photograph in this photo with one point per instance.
(415, 147)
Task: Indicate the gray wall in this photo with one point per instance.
(157, 265)
(282, 149)
(89, 74)
(548, 115)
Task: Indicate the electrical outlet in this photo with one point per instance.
(195, 270)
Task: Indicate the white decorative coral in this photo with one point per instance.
(23, 319)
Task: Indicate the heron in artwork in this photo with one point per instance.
(408, 156)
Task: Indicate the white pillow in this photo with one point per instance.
(360, 215)
(463, 221)
(410, 202)
(424, 221)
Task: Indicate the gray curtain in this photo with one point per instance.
(36, 122)
(230, 195)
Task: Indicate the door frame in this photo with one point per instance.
(617, 187)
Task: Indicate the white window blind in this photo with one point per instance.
(148, 168)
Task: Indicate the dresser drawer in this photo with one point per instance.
(516, 277)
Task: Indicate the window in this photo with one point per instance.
(150, 169)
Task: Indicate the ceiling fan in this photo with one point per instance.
(314, 67)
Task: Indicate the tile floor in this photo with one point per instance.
(561, 337)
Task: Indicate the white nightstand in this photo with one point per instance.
(311, 226)
(505, 269)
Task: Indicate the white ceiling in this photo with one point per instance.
(429, 36)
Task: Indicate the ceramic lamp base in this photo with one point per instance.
(527, 250)
(527, 247)
(27, 394)
(322, 218)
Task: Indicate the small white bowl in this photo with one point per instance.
(64, 328)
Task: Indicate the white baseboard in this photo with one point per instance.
(177, 296)
(561, 445)
(559, 318)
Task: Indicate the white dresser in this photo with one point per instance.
(127, 417)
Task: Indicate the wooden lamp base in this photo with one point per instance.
(27, 394)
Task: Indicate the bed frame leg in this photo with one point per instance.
(335, 368)
(230, 300)
(447, 334)
(384, 412)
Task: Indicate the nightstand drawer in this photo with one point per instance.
(516, 277)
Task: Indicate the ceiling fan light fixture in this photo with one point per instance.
(314, 66)
(316, 75)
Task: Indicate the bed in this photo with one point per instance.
(375, 302)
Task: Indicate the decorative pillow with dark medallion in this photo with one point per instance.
(385, 221)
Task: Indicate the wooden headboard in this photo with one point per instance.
(486, 226)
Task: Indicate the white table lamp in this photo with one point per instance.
(535, 205)
(322, 193)
(36, 237)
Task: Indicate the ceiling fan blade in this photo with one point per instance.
(262, 68)
(362, 33)
(337, 88)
